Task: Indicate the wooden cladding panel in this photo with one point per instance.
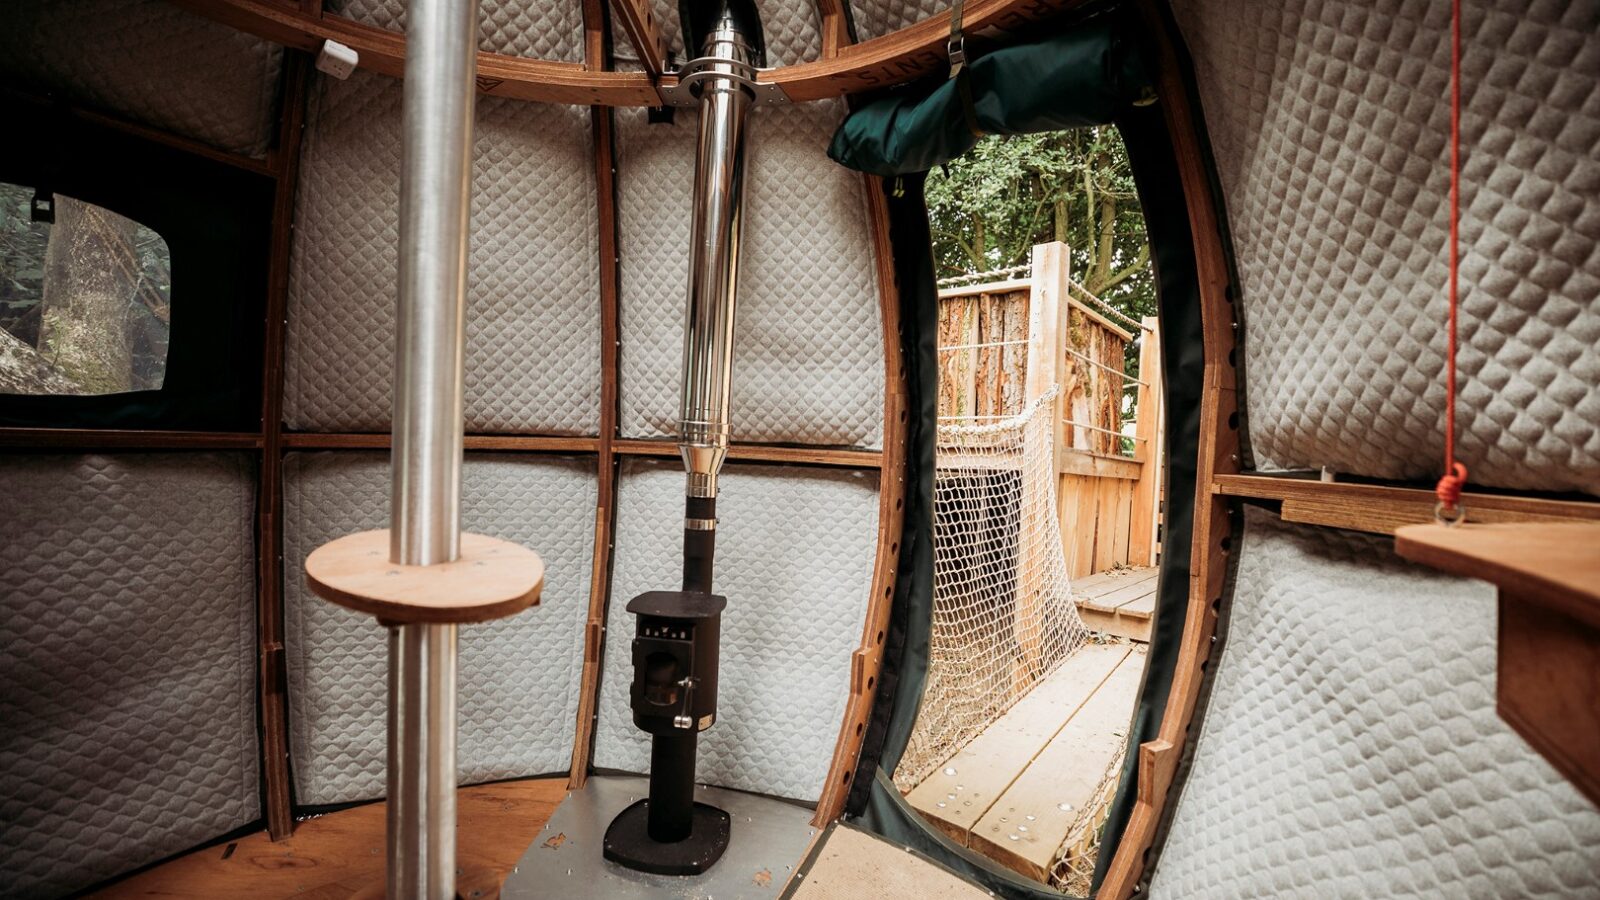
(981, 373)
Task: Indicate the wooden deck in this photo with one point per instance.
(1119, 602)
(1014, 793)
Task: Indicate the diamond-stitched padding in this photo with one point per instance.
(795, 549)
(1351, 746)
(147, 61)
(538, 29)
(808, 357)
(792, 28)
(1330, 126)
(517, 689)
(127, 659)
(533, 297)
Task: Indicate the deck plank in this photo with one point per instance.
(987, 766)
(1046, 798)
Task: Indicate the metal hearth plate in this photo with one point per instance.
(770, 837)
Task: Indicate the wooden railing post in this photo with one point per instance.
(1047, 311)
(1148, 422)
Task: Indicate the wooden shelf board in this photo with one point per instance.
(1551, 564)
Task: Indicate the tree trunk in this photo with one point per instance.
(90, 281)
(24, 371)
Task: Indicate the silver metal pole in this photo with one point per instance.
(714, 259)
(425, 509)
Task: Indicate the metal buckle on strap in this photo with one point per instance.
(957, 48)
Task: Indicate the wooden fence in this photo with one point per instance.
(1003, 343)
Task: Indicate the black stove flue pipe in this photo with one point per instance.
(678, 633)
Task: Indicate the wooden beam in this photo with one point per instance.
(383, 51)
(125, 439)
(1098, 465)
(380, 441)
(594, 35)
(271, 672)
(1218, 454)
(1149, 443)
(817, 456)
(1380, 509)
(605, 514)
(835, 27)
(892, 59)
(867, 661)
(638, 21)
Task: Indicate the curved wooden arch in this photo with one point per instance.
(905, 55)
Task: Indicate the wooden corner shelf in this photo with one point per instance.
(1548, 575)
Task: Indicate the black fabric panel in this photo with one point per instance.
(216, 220)
(905, 652)
(1155, 172)
(1085, 75)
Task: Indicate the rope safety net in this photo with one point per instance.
(1002, 615)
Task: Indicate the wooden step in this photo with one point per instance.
(1120, 602)
(1027, 825)
(960, 792)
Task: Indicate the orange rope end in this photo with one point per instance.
(1449, 488)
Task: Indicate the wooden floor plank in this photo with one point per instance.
(1028, 823)
(335, 855)
(959, 792)
(1129, 592)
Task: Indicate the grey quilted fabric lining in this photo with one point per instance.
(127, 655)
(149, 62)
(793, 30)
(795, 549)
(533, 315)
(1351, 747)
(876, 18)
(1329, 121)
(808, 362)
(537, 29)
(518, 681)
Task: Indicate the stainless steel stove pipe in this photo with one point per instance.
(425, 511)
(714, 256)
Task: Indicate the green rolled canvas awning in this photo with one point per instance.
(1083, 76)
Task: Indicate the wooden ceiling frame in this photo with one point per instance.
(905, 55)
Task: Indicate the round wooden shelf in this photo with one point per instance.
(491, 580)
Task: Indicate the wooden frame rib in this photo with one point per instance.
(903, 56)
(867, 660)
(284, 160)
(638, 21)
(594, 631)
(1218, 454)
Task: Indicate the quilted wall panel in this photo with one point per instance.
(1351, 747)
(808, 359)
(876, 18)
(149, 62)
(539, 29)
(1330, 125)
(127, 655)
(795, 548)
(518, 677)
(793, 29)
(533, 315)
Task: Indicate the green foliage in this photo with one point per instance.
(989, 207)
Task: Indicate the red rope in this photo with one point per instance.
(1455, 474)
